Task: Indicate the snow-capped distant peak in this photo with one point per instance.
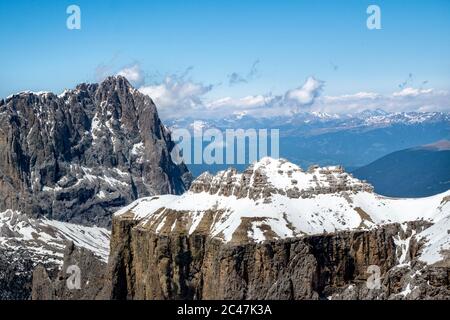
(324, 115)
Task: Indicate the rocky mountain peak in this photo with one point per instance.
(277, 176)
(83, 154)
(275, 199)
(235, 230)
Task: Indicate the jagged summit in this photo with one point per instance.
(278, 176)
(115, 82)
(83, 154)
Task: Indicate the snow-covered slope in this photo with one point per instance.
(437, 237)
(44, 240)
(275, 199)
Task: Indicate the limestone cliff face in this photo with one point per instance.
(145, 265)
(81, 155)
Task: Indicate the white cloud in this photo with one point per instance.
(177, 94)
(307, 93)
(240, 103)
(269, 105)
(134, 74)
(411, 92)
(354, 97)
(408, 99)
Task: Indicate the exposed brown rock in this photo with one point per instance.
(55, 287)
(178, 266)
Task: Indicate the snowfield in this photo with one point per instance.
(46, 239)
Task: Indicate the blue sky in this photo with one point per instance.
(287, 41)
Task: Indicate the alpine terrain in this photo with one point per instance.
(274, 231)
(67, 163)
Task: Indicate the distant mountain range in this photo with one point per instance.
(315, 123)
(414, 172)
(351, 140)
